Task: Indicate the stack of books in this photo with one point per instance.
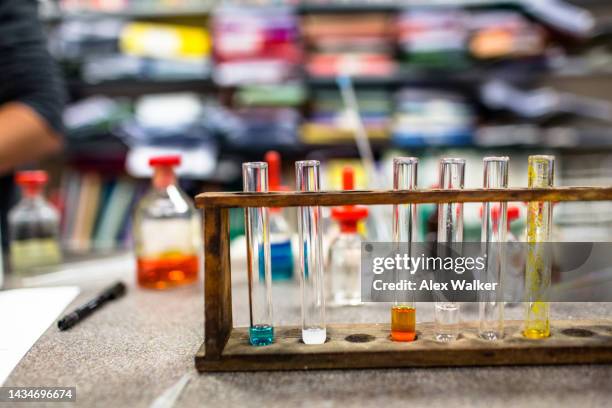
(504, 34)
(107, 50)
(96, 210)
(358, 44)
(428, 118)
(433, 38)
(330, 122)
(132, 6)
(255, 45)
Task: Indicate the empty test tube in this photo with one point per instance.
(261, 329)
(403, 311)
(540, 174)
(311, 257)
(450, 232)
(493, 237)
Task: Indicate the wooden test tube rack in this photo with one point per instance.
(226, 348)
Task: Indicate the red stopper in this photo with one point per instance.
(163, 175)
(348, 215)
(273, 159)
(31, 182)
(348, 178)
(512, 213)
(32, 178)
(274, 170)
(168, 160)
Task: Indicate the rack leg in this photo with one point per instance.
(217, 282)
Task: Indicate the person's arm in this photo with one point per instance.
(24, 136)
(31, 91)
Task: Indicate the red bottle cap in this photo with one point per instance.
(32, 177)
(348, 215)
(168, 160)
(512, 213)
(31, 182)
(274, 170)
(273, 159)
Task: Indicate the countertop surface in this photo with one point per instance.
(132, 350)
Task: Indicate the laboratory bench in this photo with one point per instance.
(132, 350)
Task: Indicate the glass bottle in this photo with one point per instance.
(33, 225)
(280, 233)
(166, 231)
(403, 311)
(541, 171)
(345, 250)
(312, 276)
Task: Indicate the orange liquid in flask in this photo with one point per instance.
(167, 270)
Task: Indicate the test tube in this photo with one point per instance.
(450, 231)
(540, 174)
(493, 237)
(261, 329)
(403, 311)
(311, 261)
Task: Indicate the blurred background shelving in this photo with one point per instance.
(223, 82)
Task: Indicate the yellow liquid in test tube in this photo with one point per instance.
(537, 273)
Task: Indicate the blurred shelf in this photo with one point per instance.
(364, 5)
(135, 87)
(516, 71)
(394, 6)
(348, 6)
(422, 78)
(151, 13)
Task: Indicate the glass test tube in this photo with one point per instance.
(540, 174)
(403, 311)
(493, 237)
(261, 330)
(311, 257)
(450, 230)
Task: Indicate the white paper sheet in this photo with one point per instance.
(25, 314)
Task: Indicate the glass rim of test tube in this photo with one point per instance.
(261, 326)
(491, 311)
(403, 314)
(310, 254)
(405, 160)
(447, 314)
(307, 163)
(550, 160)
(488, 159)
(452, 160)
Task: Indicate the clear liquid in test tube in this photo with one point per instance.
(311, 257)
(493, 237)
(450, 233)
(261, 329)
(540, 172)
(403, 311)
